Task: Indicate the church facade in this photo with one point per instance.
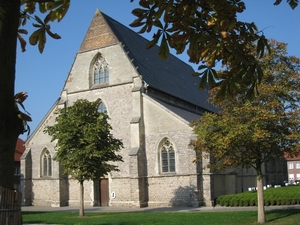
(150, 104)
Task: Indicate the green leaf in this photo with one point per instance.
(151, 43)
(36, 36)
(139, 12)
(250, 93)
(53, 35)
(24, 117)
(38, 20)
(215, 75)
(293, 3)
(37, 25)
(141, 31)
(195, 74)
(201, 67)
(60, 9)
(158, 24)
(203, 79)
(164, 51)
(260, 48)
(211, 78)
(42, 7)
(136, 23)
(39, 36)
(22, 43)
(42, 41)
(259, 72)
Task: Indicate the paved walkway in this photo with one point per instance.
(149, 209)
(152, 209)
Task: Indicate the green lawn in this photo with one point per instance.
(278, 217)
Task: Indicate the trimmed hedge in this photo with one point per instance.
(287, 195)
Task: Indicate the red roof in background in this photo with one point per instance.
(289, 158)
(20, 148)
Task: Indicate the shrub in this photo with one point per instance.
(252, 202)
(267, 202)
(286, 195)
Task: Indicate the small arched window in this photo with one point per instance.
(46, 164)
(100, 70)
(167, 156)
(102, 108)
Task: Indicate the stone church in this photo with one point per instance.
(150, 103)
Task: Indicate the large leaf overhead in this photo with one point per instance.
(56, 11)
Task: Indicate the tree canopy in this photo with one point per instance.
(85, 145)
(249, 133)
(209, 32)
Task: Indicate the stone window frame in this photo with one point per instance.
(99, 70)
(46, 163)
(102, 108)
(167, 162)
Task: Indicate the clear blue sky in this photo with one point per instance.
(43, 75)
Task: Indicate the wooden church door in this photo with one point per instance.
(104, 194)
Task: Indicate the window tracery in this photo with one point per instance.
(167, 155)
(100, 70)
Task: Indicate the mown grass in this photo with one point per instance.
(274, 217)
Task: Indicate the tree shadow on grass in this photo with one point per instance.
(281, 213)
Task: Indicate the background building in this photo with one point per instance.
(20, 148)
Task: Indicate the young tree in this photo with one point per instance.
(248, 133)
(85, 145)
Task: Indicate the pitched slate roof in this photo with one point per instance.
(171, 76)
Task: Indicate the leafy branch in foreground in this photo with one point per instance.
(209, 32)
(55, 9)
(25, 117)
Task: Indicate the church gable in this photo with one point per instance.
(101, 60)
(99, 35)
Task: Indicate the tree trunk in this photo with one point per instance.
(260, 198)
(10, 126)
(81, 201)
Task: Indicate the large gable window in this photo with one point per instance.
(100, 70)
(46, 162)
(167, 156)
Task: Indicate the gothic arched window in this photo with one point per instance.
(102, 108)
(100, 70)
(167, 156)
(46, 164)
